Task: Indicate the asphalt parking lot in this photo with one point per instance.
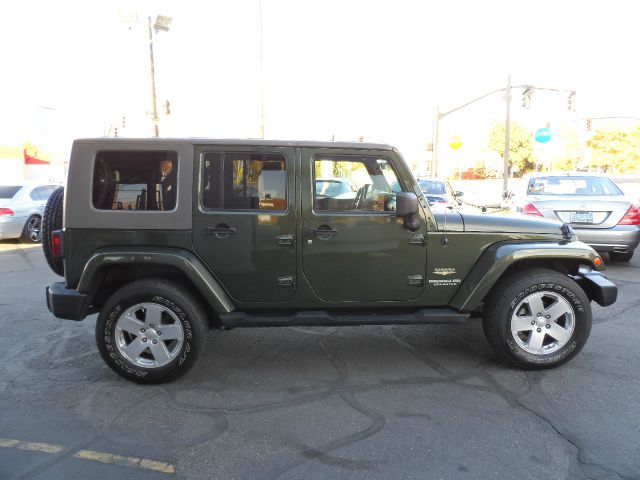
(409, 402)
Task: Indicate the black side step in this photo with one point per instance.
(326, 319)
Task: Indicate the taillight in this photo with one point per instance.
(529, 209)
(6, 211)
(632, 217)
(56, 244)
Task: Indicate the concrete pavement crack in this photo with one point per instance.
(556, 426)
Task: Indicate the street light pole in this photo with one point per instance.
(507, 132)
(434, 142)
(154, 103)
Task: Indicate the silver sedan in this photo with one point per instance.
(21, 209)
(593, 205)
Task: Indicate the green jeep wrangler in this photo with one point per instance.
(167, 239)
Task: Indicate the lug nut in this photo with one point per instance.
(547, 316)
(548, 326)
(151, 326)
(539, 330)
(155, 341)
(533, 322)
(142, 330)
(158, 332)
(144, 340)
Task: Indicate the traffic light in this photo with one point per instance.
(167, 107)
(526, 97)
(571, 102)
(124, 122)
(589, 124)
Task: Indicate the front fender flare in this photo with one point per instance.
(498, 257)
(183, 260)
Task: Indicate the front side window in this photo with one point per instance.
(244, 181)
(135, 180)
(343, 183)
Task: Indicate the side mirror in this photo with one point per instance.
(406, 204)
(458, 193)
(507, 194)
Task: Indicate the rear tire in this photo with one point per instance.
(621, 257)
(151, 331)
(51, 221)
(537, 318)
(32, 231)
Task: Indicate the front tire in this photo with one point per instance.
(537, 318)
(151, 331)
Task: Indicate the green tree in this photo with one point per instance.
(520, 146)
(616, 151)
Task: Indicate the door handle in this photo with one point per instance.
(220, 231)
(323, 232)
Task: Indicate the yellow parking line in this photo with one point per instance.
(31, 446)
(125, 461)
(103, 457)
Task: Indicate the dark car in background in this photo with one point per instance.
(439, 192)
(21, 208)
(593, 205)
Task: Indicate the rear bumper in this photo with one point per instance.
(67, 303)
(11, 227)
(619, 238)
(597, 287)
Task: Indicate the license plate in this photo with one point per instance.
(581, 217)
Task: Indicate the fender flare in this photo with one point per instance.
(500, 256)
(183, 260)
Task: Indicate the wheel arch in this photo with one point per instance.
(111, 268)
(504, 258)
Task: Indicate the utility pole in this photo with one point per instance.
(154, 104)
(507, 133)
(261, 77)
(434, 139)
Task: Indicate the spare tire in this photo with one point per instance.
(52, 220)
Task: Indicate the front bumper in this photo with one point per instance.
(597, 287)
(67, 303)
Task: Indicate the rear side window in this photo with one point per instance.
(135, 180)
(244, 181)
(8, 191)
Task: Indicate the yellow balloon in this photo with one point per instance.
(455, 142)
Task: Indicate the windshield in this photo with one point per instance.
(572, 186)
(332, 188)
(8, 191)
(433, 187)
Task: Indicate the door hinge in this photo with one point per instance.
(416, 280)
(417, 239)
(285, 240)
(288, 281)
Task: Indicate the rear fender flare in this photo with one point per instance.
(186, 262)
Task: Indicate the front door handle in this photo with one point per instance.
(222, 230)
(323, 232)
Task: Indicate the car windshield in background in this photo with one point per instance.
(572, 186)
(332, 188)
(8, 191)
(435, 188)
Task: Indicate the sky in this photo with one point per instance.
(330, 68)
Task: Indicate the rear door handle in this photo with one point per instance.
(220, 231)
(323, 232)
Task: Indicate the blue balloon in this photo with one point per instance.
(543, 135)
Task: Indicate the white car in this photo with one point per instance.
(21, 209)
